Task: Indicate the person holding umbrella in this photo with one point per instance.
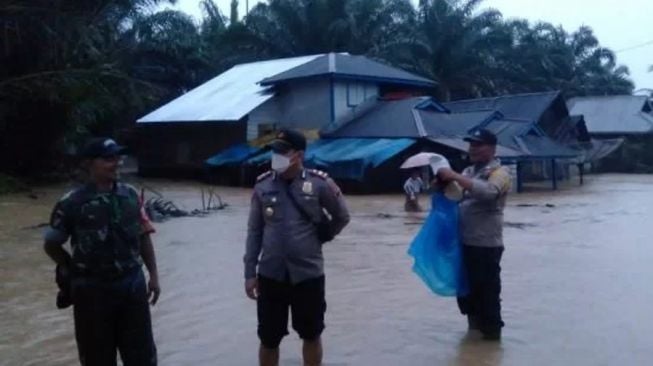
(413, 187)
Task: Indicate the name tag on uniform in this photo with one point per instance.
(307, 188)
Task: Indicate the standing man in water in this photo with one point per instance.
(486, 184)
(110, 240)
(284, 266)
(412, 188)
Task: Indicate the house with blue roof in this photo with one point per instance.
(363, 118)
(250, 101)
(624, 120)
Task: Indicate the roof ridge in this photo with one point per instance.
(520, 95)
(276, 60)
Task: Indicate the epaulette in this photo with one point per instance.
(319, 173)
(67, 195)
(263, 176)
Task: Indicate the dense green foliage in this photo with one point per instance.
(73, 68)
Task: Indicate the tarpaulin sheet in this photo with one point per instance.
(234, 155)
(347, 158)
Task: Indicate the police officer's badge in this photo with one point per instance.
(307, 188)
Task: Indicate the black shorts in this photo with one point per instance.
(306, 302)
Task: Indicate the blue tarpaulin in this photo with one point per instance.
(347, 158)
(234, 155)
(437, 251)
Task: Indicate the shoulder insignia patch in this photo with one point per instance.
(263, 176)
(67, 195)
(319, 173)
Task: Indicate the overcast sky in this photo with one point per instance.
(625, 26)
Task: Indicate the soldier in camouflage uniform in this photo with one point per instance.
(486, 185)
(284, 266)
(110, 241)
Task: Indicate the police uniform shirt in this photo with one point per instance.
(281, 241)
(481, 210)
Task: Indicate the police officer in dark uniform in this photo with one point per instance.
(110, 240)
(284, 266)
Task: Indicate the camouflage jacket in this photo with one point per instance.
(104, 228)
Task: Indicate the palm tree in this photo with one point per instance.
(64, 73)
(285, 28)
(451, 45)
(168, 50)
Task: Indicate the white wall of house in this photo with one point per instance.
(301, 105)
(307, 105)
(264, 117)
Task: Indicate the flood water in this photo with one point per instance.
(577, 285)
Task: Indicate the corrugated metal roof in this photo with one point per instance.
(395, 119)
(228, 97)
(462, 145)
(401, 118)
(387, 119)
(544, 147)
(350, 66)
(618, 114)
(507, 129)
(453, 124)
(529, 106)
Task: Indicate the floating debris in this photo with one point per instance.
(160, 209)
(518, 225)
(549, 205)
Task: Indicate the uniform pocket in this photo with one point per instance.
(271, 208)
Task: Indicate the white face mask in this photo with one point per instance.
(280, 163)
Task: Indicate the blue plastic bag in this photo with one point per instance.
(437, 251)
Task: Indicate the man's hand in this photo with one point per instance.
(251, 288)
(153, 290)
(447, 175)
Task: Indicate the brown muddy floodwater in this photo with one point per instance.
(577, 282)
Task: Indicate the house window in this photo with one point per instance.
(356, 93)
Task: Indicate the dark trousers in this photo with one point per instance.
(110, 316)
(307, 304)
(483, 303)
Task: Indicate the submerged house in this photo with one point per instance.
(517, 120)
(363, 118)
(612, 120)
(250, 101)
(364, 152)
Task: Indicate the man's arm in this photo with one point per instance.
(253, 246)
(57, 253)
(149, 258)
(497, 184)
(254, 237)
(333, 201)
(57, 234)
(147, 252)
